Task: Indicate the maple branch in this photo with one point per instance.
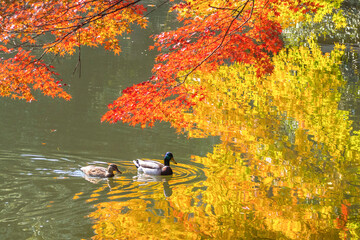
(84, 23)
(223, 38)
(72, 19)
(216, 49)
(38, 30)
(78, 64)
(72, 28)
(94, 18)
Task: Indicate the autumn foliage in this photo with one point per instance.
(31, 29)
(211, 36)
(213, 33)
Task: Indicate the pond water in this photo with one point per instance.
(287, 177)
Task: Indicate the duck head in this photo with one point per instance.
(169, 157)
(113, 168)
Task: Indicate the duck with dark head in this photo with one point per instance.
(155, 168)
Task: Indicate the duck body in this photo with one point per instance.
(94, 171)
(152, 167)
(155, 168)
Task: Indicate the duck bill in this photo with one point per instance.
(172, 159)
(118, 170)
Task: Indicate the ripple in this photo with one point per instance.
(37, 186)
(132, 184)
(183, 174)
(50, 187)
(187, 174)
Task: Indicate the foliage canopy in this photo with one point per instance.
(213, 33)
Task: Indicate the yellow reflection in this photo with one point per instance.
(282, 169)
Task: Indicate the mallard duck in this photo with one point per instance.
(155, 168)
(94, 171)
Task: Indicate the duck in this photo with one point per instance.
(156, 168)
(94, 171)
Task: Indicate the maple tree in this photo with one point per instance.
(214, 33)
(31, 29)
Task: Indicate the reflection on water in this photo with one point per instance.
(132, 184)
(225, 195)
(287, 165)
(41, 194)
(145, 178)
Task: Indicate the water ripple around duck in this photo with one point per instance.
(51, 190)
(132, 184)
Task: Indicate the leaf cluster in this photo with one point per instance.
(31, 29)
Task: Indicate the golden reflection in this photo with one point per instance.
(286, 166)
(145, 179)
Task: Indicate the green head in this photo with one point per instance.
(169, 157)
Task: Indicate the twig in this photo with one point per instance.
(157, 7)
(78, 64)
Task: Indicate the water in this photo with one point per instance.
(46, 196)
(287, 171)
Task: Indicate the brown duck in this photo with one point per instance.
(94, 171)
